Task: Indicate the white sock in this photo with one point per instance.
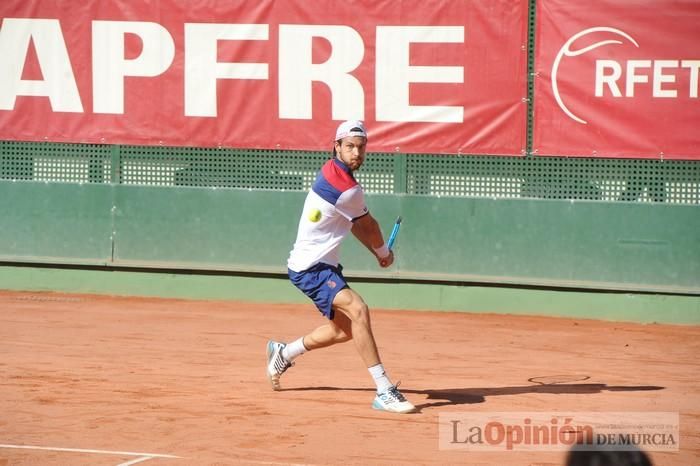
(294, 349)
(380, 377)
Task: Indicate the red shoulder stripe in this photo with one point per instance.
(337, 177)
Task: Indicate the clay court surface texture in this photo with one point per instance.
(94, 380)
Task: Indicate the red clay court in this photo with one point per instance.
(91, 380)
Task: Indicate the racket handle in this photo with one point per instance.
(394, 233)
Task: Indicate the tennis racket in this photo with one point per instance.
(394, 233)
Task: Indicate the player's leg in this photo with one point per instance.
(338, 330)
(321, 284)
(351, 304)
(280, 356)
(388, 398)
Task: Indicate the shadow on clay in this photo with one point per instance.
(458, 396)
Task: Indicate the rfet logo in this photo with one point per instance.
(660, 78)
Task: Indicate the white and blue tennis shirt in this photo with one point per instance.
(341, 200)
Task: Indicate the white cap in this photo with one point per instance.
(350, 128)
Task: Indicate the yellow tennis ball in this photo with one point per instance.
(315, 215)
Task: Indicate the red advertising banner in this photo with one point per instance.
(426, 77)
(618, 79)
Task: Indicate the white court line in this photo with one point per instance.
(137, 460)
(274, 463)
(141, 456)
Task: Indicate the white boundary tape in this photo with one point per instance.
(141, 456)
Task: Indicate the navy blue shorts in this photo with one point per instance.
(320, 283)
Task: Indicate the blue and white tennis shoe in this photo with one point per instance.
(276, 364)
(393, 401)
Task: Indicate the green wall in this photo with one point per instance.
(582, 244)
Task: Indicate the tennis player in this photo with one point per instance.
(334, 207)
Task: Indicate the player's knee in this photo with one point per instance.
(354, 307)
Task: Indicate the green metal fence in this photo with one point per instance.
(610, 180)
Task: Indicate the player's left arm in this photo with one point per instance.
(367, 231)
(351, 204)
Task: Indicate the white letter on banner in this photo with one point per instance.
(202, 68)
(394, 73)
(109, 67)
(693, 66)
(660, 78)
(297, 71)
(633, 78)
(59, 82)
(609, 79)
